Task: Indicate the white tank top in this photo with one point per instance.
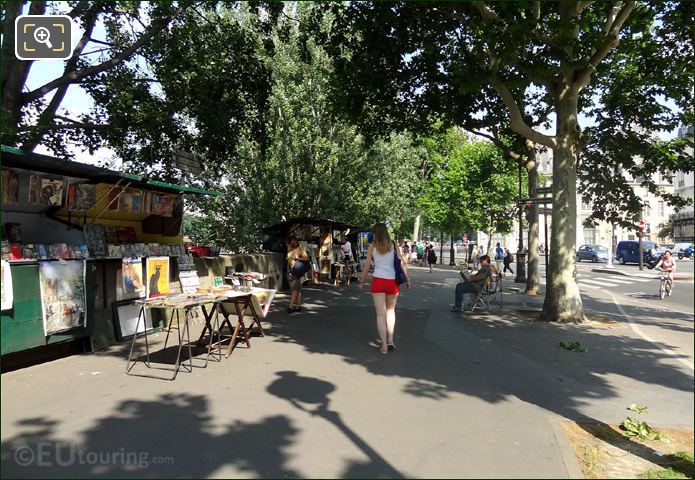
(383, 264)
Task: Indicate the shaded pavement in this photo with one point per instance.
(476, 395)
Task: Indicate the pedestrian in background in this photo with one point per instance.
(299, 264)
(431, 256)
(499, 256)
(475, 257)
(384, 286)
(508, 259)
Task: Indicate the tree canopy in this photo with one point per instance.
(544, 63)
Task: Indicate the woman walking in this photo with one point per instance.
(507, 260)
(299, 263)
(384, 286)
(431, 256)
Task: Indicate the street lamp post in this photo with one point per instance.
(520, 253)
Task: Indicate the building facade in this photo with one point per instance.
(682, 221)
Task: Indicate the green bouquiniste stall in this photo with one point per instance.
(21, 326)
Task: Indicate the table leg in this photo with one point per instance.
(178, 363)
(205, 328)
(208, 324)
(132, 344)
(256, 320)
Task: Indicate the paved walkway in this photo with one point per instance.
(476, 395)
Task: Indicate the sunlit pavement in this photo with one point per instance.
(464, 395)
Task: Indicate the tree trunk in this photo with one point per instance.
(452, 260)
(14, 71)
(416, 228)
(532, 274)
(563, 303)
(441, 248)
(489, 243)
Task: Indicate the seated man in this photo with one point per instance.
(472, 284)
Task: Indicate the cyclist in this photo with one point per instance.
(668, 265)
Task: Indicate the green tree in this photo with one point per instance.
(408, 63)
(472, 188)
(249, 94)
(34, 116)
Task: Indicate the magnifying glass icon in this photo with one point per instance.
(42, 35)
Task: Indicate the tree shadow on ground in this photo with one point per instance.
(136, 441)
(489, 357)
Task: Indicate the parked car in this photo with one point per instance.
(594, 253)
(627, 251)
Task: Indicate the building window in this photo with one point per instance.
(661, 209)
(589, 235)
(646, 211)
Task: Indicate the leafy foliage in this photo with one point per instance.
(247, 91)
(641, 430)
(472, 186)
(636, 408)
(573, 346)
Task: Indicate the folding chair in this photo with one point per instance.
(490, 293)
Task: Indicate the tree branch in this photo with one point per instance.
(583, 6)
(486, 12)
(79, 9)
(49, 112)
(73, 77)
(516, 117)
(498, 143)
(109, 44)
(66, 126)
(609, 42)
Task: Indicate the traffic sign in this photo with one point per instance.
(535, 201)
(186, 161)
(544, 190)
(642, 224)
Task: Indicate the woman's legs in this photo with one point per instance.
(380, 307)
(391, 316)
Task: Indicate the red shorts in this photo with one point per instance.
(384, 285)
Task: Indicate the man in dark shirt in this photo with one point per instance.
(472, 284)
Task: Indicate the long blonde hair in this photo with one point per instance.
(382, 239)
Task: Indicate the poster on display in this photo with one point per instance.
(130, 201)
(95, 237)
(81, 197)
(10, 187)
(51, 192)
(157, 276)
(162, 205)
(6, 287)
(62, 295)
(131, 278)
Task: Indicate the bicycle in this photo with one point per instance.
(664, 287)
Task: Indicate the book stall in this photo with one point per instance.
(323, 240)
(80, 244)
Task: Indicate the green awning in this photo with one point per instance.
(16, 158)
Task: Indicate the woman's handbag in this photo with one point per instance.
(300, 268)
(400, 274)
